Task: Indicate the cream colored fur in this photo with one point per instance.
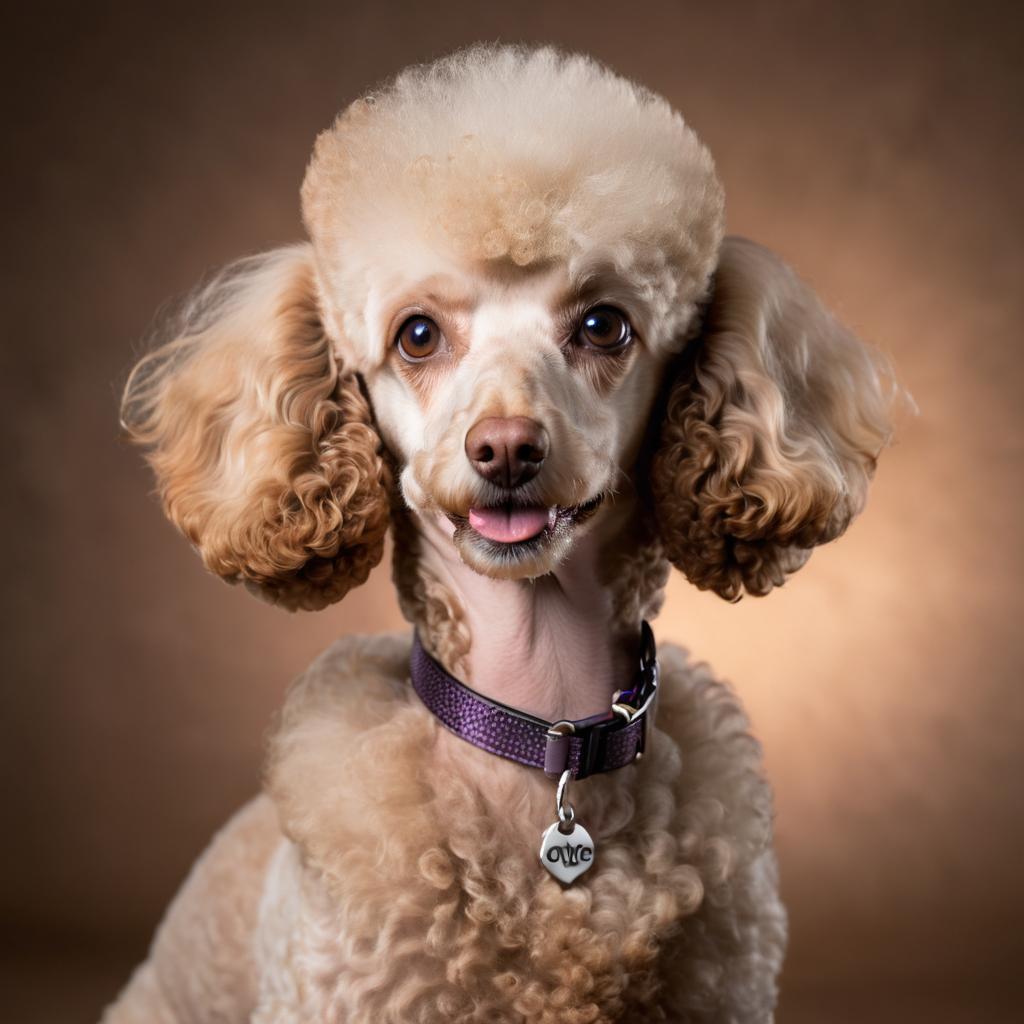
(391, 872)
(409, 891)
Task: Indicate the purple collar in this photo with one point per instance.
(600, 743)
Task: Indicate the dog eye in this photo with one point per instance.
(604, 327)
(418, 338)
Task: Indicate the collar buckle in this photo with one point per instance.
(594, 744)
(623, 710)
(631, 710)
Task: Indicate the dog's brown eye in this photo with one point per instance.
(604, 328)
(418, 338)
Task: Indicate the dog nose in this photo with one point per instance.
(507, 450)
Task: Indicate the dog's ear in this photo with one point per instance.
(264, 448)
(771, 426)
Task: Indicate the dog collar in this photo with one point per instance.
(600, 743)
(564, 750)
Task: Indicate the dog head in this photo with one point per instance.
(517, 296)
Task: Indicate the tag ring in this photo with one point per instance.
(566, 813)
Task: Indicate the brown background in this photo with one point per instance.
(879, 150)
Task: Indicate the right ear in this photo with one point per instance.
(773, 424)
(264, 448)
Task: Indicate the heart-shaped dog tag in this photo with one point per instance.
(566, 854)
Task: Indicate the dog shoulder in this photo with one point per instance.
(702, 723)
(348, 731)
(202, 952)
(351, 686)
(693, 704)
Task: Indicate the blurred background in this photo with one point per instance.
(878, 147)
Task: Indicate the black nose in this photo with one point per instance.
(507, 450)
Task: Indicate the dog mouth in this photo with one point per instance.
(512, 531)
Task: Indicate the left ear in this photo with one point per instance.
(263, 445)
(771, 431)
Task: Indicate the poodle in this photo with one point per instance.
(517, 340)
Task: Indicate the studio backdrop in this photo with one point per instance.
(876, 147)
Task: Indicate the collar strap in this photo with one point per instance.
(585, 747)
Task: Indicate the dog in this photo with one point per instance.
(519, 340)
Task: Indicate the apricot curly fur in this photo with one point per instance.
(635, 571)
(771, 433)
(390, 873)
(389, 881)
(425, 601)
(265, 452)
(417, 882)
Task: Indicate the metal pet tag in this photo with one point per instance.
(566, 854)
(566, 848)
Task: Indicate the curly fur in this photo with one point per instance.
(405, 886)
(635, 571)
(202, 966)
(772, 430)
(394, 875)
(438, 867)
(454, 160)
(425, 600)
(264, 451)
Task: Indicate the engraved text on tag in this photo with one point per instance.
(566, 854)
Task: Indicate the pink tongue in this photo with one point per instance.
(508, 525)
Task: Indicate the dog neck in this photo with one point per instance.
(557, 646)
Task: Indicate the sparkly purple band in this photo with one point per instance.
(600, 743)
